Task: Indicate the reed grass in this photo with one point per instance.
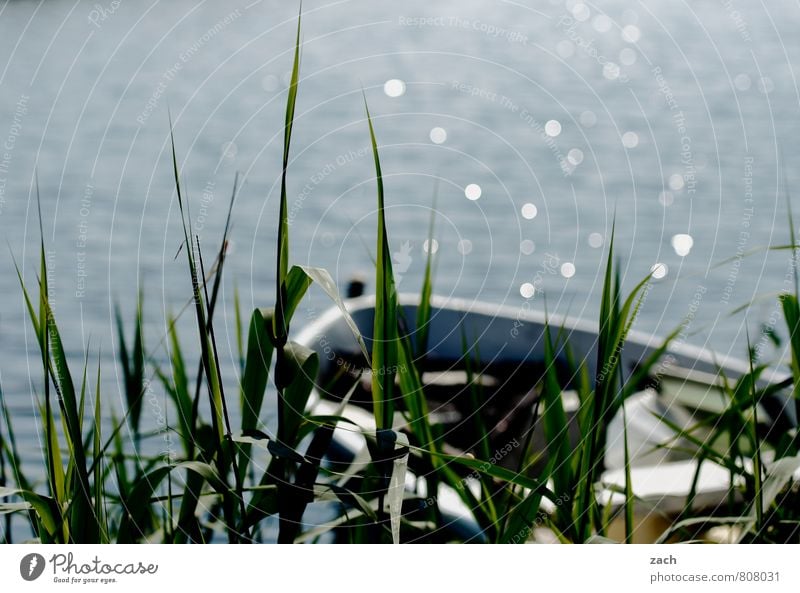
(101, 488)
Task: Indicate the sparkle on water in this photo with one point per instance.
(631, 33)
(527, 290)
(429, 246)
(473, 191)
(658, 270)
(765, 85)
(611, 71)
(595, 240)
(665, 198)
(526, 247)
(568, 269)
(682, 244)
(742, 82)
(394, 88)
(565, 48)
(552, 128)
(465, 246)
(438, 135)
(529, 211)
(581, 12)
(676, 182)
(630, 139)
(575, 156)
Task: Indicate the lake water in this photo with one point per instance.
(541, 124)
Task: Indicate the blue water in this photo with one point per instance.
(670, 118)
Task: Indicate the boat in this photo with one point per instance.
(506, 352)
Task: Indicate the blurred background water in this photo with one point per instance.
(543, 123)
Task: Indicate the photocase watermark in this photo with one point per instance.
(205, 202)
(350, 367)
(100, 13)
(542, 517)
(498, 456)
(455, 22)
(687, 159)
(50, 259)
(321, 174)
(744, 231)
(81, 241)
(31, 566)
(776, 315)
(9, 142)
(665, 89)
(738, 20)
(567, 25)
(669, 360)
(688, 178)
(66, 569)
(522, 113)
(401, 261)
(184, 58)
(328, 352)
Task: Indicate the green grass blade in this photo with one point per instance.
(280, 320)
(237, 312)
(413, 393)
(135, 520)
(207, 358)
(82, 398)
(136, 395)
(629, 499)
(522, 517)
(5, 533)
(556, 429)
(55, 367)
(296, 285)
(255, 377)
(791, 314)
(177, 385)
(302, 365)
(756, 443)
(424, 308)
(97, 455)
(48, 516)
(83, 528)
(483, 448)
(385, 334)
(228, 451)
(778, 475)
(499, 472)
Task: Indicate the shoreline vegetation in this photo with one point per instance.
(100, 488)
